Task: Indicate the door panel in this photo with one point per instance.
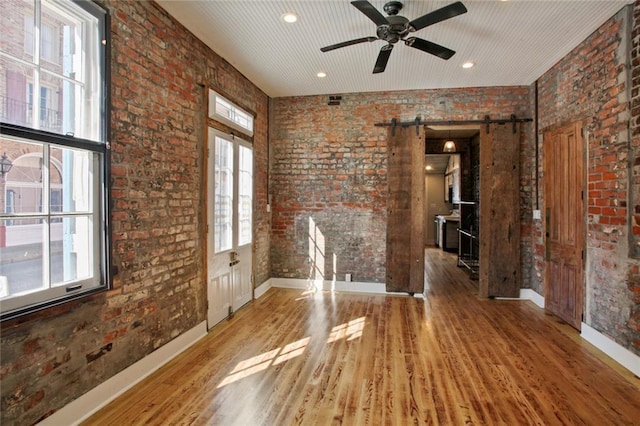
(499, 251)
(405, 220)
(218, 292)
(564, 234)
(242, 288)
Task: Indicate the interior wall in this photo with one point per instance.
(329, 170)
(592, 85)
(159, 292)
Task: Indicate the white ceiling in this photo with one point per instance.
(512, 42)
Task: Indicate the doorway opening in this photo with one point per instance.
(452, 180)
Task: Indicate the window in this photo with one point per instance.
(224, 111)
(54, 243)
(223, 170)
(233, 192)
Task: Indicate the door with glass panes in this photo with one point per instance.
(229, 218)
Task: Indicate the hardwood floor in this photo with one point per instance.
(294, 357)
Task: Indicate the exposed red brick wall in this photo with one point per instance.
(530, 229)
(329, 167)
(633, 281)
(635, 132)
(158, 121)
(591, 85)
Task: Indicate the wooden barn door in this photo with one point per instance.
(564, 223)
(405, 220)
(500, 211)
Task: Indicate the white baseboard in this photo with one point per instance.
(262, 289)
(527, 294)
(340, 286)
(620, 354)
(82, 408)
(530, 294)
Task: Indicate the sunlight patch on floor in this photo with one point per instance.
(349, 330)
(263, 361)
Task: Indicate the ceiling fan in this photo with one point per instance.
(395, 28)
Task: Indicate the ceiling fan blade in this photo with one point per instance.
(429, 47)
(438, 15)
(348, 43)
(383, 58)
(372, 13)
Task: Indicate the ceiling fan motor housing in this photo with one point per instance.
(398, 28)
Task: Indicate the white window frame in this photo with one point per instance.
(92, 139)
(226, 112)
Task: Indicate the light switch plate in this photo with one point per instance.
(537, 214)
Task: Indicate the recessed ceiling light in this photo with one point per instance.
(428, 168)
(468, 65)
(289, 18)
(321, 74)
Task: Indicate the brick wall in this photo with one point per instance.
(51, 358)
(329, 169)
(590, 85)
(633, 276)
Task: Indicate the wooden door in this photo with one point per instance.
(564, 223)
(500, 266)
(405, 219)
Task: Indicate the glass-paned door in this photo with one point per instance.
(230, 230)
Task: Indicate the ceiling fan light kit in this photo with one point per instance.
(395, 28)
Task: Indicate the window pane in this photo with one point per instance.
(18, 15)
(21, 256)
(224, 109)
(50, 35)
(245, 195)
(230, 114)
(16, 105)
(71, 178)
(223, 208)
(23, 185)
(71, 249)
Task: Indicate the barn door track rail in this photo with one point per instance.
(486, 121)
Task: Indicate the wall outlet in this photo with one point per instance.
(347, 278)
(537, 214)
(268, 208)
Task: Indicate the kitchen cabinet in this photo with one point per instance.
(447, 232)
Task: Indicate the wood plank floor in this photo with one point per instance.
(294, 357)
